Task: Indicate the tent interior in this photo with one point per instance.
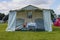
(29, 20)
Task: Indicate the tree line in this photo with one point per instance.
(3, 17)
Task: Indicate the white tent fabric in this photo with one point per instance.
(47, 20)
(11, 21)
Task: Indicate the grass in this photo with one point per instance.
(29, 35)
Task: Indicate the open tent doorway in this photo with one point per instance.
(32, 19)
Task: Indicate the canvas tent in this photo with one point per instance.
(33, 18)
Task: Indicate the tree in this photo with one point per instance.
(5, 18)
(1, 16)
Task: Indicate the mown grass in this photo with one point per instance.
(29, 35)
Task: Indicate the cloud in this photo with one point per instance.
(35, 2)
(17, 4)
(58, 10)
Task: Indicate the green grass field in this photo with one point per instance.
(29, 35)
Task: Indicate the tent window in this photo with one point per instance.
(29, 15)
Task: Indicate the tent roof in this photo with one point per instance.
(31, 7)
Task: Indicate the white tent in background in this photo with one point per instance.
(30, 15)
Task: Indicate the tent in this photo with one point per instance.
(30, 15)
(56, 22)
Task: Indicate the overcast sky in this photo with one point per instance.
(6, 5)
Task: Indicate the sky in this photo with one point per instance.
(7, 5)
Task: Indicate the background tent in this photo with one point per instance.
(56, 22)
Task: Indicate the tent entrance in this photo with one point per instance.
(30, 16)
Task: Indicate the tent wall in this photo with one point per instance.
(47, 20)
(11, 21)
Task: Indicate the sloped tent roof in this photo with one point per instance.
(30, 7)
